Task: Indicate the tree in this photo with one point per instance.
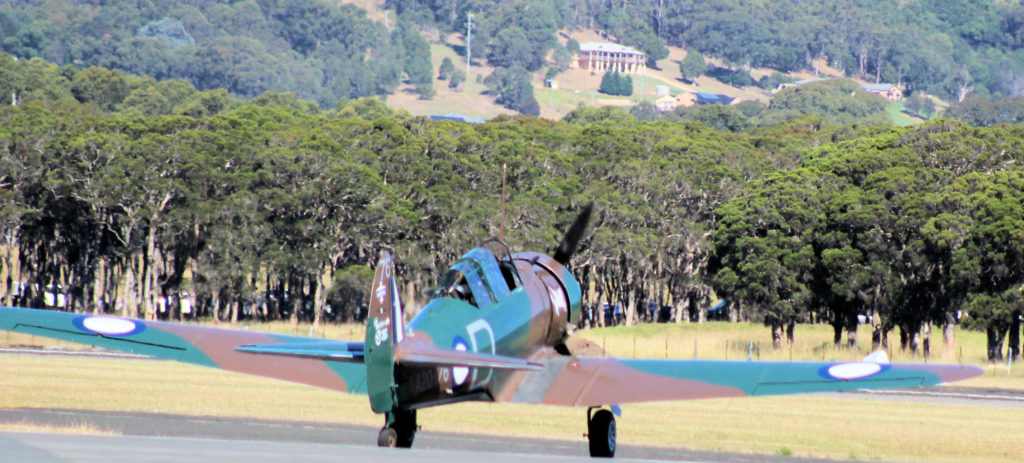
(613, 83)
(106, 88)
(692, 66)
(446, 70)
(513, 90)
(458, 78)
(720, 117)
(837, 100)
(416, 53)
(763, 251)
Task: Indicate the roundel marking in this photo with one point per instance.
(460, 374)
(110, 326)
(849, 371)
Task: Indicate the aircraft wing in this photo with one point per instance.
(586, 381)
(329, 364)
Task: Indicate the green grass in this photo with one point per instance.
(900, 118)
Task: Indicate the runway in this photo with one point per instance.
(150, 437)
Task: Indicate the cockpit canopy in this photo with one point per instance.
(482, 276)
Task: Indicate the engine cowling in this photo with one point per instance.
(563, 301)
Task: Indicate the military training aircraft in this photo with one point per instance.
(495, 329)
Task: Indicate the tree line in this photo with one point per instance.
(276, 209)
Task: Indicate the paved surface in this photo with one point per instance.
(178, 438)
(946, 395)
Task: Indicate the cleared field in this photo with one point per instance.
(801, 426)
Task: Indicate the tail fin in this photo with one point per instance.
(383, 329)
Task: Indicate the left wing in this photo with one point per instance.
(586, 381)
(329, 364)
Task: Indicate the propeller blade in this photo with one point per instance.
(574, 235)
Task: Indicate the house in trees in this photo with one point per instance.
(669, 103)
(888, 91)
(609, 57)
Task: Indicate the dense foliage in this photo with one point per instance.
(321, 51)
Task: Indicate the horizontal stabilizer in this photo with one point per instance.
(329, 350)
(427, 355)
(878, 356)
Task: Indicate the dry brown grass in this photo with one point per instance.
(803, 426)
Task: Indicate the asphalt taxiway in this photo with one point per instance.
(150, 437)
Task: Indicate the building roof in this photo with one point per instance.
(712, 98)
(877, 87)
(609, 48)
(812, 79)
(458, 118)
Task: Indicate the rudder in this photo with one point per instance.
(383, 330)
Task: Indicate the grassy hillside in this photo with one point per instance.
(576, 86)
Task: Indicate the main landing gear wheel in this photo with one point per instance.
(399, 429)
(601, 433)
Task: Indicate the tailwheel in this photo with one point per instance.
(399, 429)
(601, 433)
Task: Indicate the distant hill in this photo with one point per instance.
(331, 50)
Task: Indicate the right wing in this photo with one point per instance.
(329, 364)
(586, 381)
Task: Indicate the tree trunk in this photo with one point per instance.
(127, 281)
(148, 272)
(876, 330)
(776, 334)
(949, 333)
(319, 301)
(215, 305)
(926, 339)
(631, 309)
(680, 312)
(789, 332)
(995, 343)
(851, 328)
(837, 329)
(1013, 343)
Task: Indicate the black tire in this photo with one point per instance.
(387, 438)
(405, 427)
(601, 433)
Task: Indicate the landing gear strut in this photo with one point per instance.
(399, 429)
(601, 433)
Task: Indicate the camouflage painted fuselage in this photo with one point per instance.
(521, 306)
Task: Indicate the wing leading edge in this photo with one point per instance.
(317, 362)
(586, 381)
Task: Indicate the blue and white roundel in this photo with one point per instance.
(108, 326)
(851, 371)
(459, 374)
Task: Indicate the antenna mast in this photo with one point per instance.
(469, 42)
(504, 176)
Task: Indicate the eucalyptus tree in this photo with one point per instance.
(764, 250)
(984, 228)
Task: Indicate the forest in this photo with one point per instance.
(124, 195)
(330, 51)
